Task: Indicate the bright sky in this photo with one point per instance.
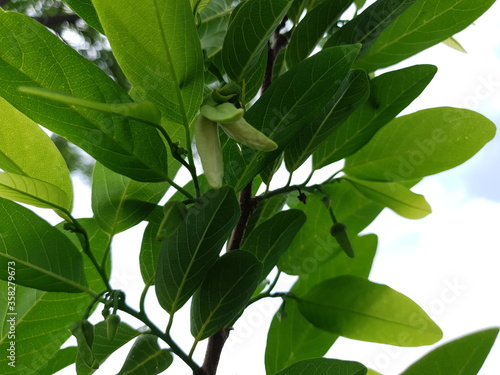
(446, 262)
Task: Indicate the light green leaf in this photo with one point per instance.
(421, 144)
(86, 11)
(462, 356)
(224, 293)
(390, 93)
(120, 203)
(123, 145)
(188, 255)
(271, 239)
(63, 358)
(453, 43)
(394, 195)
(157, 46)
(373, 372)
(425, 24)
(146, 357)
(44, 258)
(361, 310)
(199, 5)
(213, 27)
(324, 366)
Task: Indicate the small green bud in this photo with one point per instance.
(112, 324)
(339, 231)
(83, 330)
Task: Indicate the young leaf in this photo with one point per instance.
(123, 145)
(253, 21)
(421, 144)
(86, 11)
(361, 310)
(463, 356)
(324, 366)
(157, 46)
(120, 203)
(394, 195)
(308, 33)
(146, 357)
(272, 238)
(188, 255)
(226, 290)
(425, 24)
(20, 134)
(390, 93)
(44, 258)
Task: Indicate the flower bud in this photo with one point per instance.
(225, 112)
(112, 323)
(339, 231)
(244, 133)
(210, 151)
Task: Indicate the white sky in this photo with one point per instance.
(447, 262)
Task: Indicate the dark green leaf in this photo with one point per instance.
(361, 310)
(44, 258)
(125, 146)
(324, 366)
(421, 144)
(213, 27)
(187, 256)
(425, 24)
(366, 27)
(265, 210)
(306, 36)
(351, 94)
(60, 360)
(225, 291)
(390, 93)
(119, 203)
(463, 356)
(146, 357)
(86, 11)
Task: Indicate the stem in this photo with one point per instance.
(179, 188)
(142, 310)
(248, 205)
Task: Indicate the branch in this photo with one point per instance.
(55, 22)
(3, 2)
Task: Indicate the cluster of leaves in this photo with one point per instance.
(321, 107)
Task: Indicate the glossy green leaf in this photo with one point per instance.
(421, 144)
(361, 310)
(157, 46)
(425, 24)
(265, 210)
(324, 366)
(253, 21)
(63, 358)
(293, 338)
(188, 255)
(19, 135)
(123, 145)
(463, 356)
(308, 33)
(290, 104)
(119, 202)
(43, 318)
(394, 195)
(86, 11)
(271, 239)
(390, 93)
(44, 258)
(350, 95)
(224, 293)
(146, 357)
(366, 27)
(214, 23)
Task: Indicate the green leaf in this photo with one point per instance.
(390, 93)
(463, 356)
(86, 11)
(20, 134)
(271, 239)
(324, 366)
(188, 255)
(214, 23)
(425, 24)
(351, 94)
(421, 144)
(453, 43)
(44, 258)
(224, 293)
(123, 145)
(63, 358)
(361, 310)
(103, 347)
(290, 104)
(146, 357)
(253, 22)
(308, 33)
(372, 372)
(265, 210)
(150, 247)
(157, 46)
(199, 5)
(394, 195)
(293, 338)
(366, 27)
(43, 318)
(120, 203)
